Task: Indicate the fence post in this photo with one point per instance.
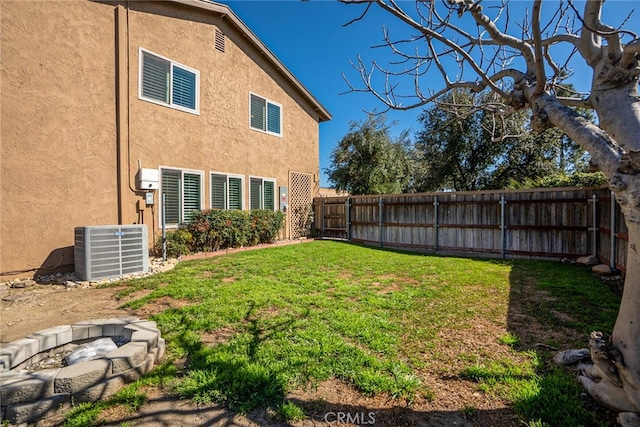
(347, 217)
(612, 262)
(380, 217)
(503, 227)
(594, 225)
(322, 224)
(435, 222)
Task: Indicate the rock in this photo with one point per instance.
(588, 260)
(629, 419)
(571, 357)
(601, 269)
(23, 283)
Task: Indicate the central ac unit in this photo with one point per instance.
(108, 251)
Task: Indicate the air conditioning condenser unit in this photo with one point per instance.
(108, 251)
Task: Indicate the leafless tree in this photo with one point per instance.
(523, 70)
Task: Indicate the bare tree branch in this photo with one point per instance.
(359, 18)
(575, 102)
(537, 38)
(590, 43)
(595, 140)
(630, 54)
(393, 8)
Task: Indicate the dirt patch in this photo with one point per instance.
(219, 336)
(389, 289)
(159, 305)
(28, 310)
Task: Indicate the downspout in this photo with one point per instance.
(121, 108)
(123, 149)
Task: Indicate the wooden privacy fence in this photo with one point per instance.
(538, 224)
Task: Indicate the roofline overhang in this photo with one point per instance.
(227, 12)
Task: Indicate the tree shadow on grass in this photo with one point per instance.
(554, 306)
(168, 411)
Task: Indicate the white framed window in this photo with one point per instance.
(169, 83)
(262, 193)
(182, 192)
(265, 115)
(227, 191)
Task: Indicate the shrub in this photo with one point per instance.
(304, 216)
(577, 179)
(265, 225)
(216, 229)
(211, 230)
(179, 242)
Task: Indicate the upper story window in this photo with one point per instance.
(168, 83)
(226, 191)
(265, 115)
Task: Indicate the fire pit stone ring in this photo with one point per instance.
(28, 395)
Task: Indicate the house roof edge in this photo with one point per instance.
(225, 10)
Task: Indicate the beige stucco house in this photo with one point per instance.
(104, 100)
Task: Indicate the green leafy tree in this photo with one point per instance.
(368, 160)
(457, 149)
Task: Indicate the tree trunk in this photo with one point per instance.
(626, 332)
(614, 378)
(619, 359)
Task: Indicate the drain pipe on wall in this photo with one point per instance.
(164, 229)
(123, 138)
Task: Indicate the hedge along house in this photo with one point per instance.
(179, 93)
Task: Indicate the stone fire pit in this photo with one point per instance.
(27, 396)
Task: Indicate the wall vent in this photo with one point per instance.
(102, 252)
(219, 41)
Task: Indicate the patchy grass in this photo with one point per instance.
(510, 339)
(289, 411)
(385, 323)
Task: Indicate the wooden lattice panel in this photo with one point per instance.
(300, 201)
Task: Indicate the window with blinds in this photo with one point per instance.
(265, 115)
(262, 193)
(182, 194)
(226, 191)
(168, 83)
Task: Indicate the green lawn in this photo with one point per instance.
(256, 325)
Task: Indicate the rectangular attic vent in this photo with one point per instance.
(219, 41)
(102, 252)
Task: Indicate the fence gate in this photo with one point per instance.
(300, 200)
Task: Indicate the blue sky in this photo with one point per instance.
(310, 38)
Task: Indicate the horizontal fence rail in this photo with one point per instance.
(537, 224)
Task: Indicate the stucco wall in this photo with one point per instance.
(59, 127)
(57, 106)
(219, 138)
